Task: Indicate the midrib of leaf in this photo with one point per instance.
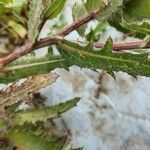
(134, 64)
(86, 53)
(32, 65)
(92, 54)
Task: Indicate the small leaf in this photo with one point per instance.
(95, 33)
(34, 22)
(27, 140)
(77, 12)
(134, 64)
(54, 9)
(42, 114)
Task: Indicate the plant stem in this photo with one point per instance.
(118, 46)
(28, 47)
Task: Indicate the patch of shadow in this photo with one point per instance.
(103, 80)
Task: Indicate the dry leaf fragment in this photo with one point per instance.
(14, 93)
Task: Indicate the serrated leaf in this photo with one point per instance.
(143, 28)
(77, 12)
(34, 19)
(27, 140)
(54, 9)
(42, 114)
(14, 94)
(134, 64)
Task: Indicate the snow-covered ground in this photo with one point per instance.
(112, 115)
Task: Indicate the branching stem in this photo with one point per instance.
(28, 47)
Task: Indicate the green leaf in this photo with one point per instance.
(110, 9)
(27, 140)
(34, 19)
(143, 28)
(105, 7)
(95, 33)
(54, 9)
(134, 64)
(42, 114)
(137, 9)
(30, 66)
(77, 12)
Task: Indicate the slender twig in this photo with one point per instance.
(28, 47)
(67, 30)
(119, 46)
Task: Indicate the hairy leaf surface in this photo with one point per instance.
(134, 64)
